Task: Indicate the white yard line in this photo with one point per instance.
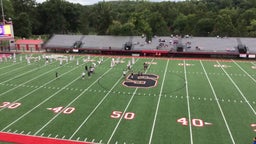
(38, 87)
(29, 81)
(13, 70)
(63, 88)
(125, 109)
(188, 103)
(241, 93)
(22, 74)
(9, 65)
(221, 111)
(92, 112)
(158, 103)
(71, 102)
(244, 71)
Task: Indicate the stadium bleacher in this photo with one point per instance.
(199, 45)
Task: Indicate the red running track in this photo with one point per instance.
(27, 139)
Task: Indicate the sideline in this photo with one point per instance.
(27, 139)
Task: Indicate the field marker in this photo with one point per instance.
(72, 100)
(42, 134)
(85, 139)
(24, 74)
(42, 101)
(13, 70)
(10, 65)
(28, 132)
(21, 132)
(241, 93)
(40, 88)
(244, 71)
(95, 108)
(15, 131)
(188, 103)
(158, 103)
(22, 84)
(207, 123)
(221, 111)
(49, 135)
(56, 136)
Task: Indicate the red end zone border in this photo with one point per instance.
(27, 139)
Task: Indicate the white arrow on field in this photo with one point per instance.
(207, 123)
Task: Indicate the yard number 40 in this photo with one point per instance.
(195, 122)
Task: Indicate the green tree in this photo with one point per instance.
(204, 27)
(252, 28)
(115, 28)
(180, 24)
(29, 7)
(224, 26)
(22, 25)
(101, 17)
(158, 24)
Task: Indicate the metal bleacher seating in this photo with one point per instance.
(191, 44)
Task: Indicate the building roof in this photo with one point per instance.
(29, 41)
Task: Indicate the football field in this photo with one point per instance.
(173, 101)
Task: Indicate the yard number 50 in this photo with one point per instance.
(118, 114)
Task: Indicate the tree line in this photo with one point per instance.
(192, 17)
